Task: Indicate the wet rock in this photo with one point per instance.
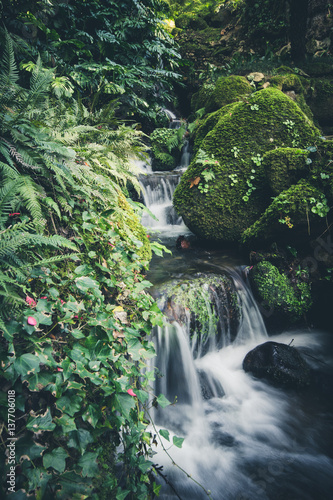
(280, 364)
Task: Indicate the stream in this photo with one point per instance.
(244, 439)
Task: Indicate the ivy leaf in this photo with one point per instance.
(41, 422)
(26, 364)
(56, 459)
(177, 441)
(89, 464)
(125, 404)
(69, 403)
(80, 439)
(165, 433)
(67, 423)
(163, 401)
(27, 447)
(122, 494)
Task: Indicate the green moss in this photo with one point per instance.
(275, 289)
(138, 234)
(228, 89)
(284, 167)
(208, 123)
(199, 99)
(289, 216)
(321, 101)
(238, 141)
(292, 83)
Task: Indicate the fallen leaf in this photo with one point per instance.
(194, 182)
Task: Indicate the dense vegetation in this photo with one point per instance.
(82, 84)
(74, 312)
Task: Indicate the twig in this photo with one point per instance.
(208, 493)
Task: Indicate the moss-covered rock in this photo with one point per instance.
(293, 215)
(284, 167)
(238, 195)
(131, 229)
(207, 124)
(277, 294)
(228, 89)
(166, 146)
(199, 99)
(207, 303)
(321, 101)
(293, 87)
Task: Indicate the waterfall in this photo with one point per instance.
(158, 188)
(244, 439)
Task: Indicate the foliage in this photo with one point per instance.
(106, 48)
(166, 145)
(74, 334)
(278, 292)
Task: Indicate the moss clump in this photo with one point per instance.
(238, 142)
(166, 145)
(199, 99)
(292, 85)
(296, 212)
(138, 234)
(278, 294)
(207, 303)
(321, 101)
(228, 89)
(284, 167)
(208, 123)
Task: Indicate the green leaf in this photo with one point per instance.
(27, 447)
(163, 401)
(85, 283)
(177, 441)
(122, 494)
(89, 464)
(80, 439)
(165, 433)
(56, 459)
(69, 403)
(41, 422)
(26, 364)
(66, 422)
(125, 404)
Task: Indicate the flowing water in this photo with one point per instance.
(244, 439)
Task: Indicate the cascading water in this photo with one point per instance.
(158, 189)
(244, 439)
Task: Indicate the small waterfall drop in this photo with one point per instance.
(158, 189)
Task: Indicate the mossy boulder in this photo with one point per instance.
(131, 229)
(294, 215)
(199, 99)
(285, 167)
(166, 146)
(228, 89)
(208, 123)
(292, 86)
(237, 196)
(321, 101)
(207, 303)
(277, 295)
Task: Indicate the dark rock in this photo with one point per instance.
(279, 363)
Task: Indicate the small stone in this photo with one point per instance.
(255, 77)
